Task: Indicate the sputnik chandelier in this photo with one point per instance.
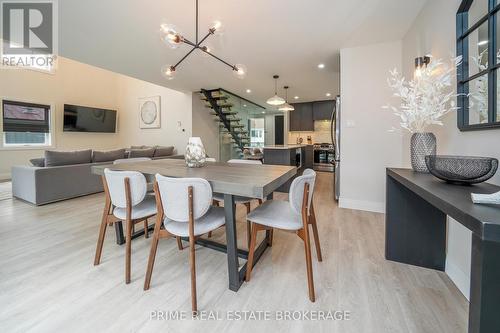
(174, 39)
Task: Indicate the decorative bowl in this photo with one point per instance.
(463, 170)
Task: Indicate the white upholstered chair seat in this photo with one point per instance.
(144, 209)
(276, 214)
(212, 220)
(237, 199)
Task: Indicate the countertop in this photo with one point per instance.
(285, 146)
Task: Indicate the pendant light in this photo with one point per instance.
(275, 100)
(286, 106)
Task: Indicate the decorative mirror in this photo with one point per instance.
(478, 42)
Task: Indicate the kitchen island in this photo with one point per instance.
(298, 155)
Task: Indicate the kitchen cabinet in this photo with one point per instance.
(323, 110)
(301, 119)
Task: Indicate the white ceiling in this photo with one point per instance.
(285, 37)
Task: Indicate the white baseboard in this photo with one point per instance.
(370, 206)
(459, 278)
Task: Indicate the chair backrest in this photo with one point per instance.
(175, 201)
(296, 195)
(245, 161)
(116, 186)
(131, 160)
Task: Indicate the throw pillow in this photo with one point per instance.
(163, 151)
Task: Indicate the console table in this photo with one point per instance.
(416, 208)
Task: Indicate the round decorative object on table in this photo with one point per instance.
(195, 156)
(421, 145)
(464, 170)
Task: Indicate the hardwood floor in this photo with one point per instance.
(48, 282)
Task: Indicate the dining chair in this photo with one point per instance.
(295, 215)
(185, 209)
(219, 197)
(126, 196)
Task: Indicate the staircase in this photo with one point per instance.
(231, 123)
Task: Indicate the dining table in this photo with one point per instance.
(231, 180)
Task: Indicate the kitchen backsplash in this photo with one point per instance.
(321, 133)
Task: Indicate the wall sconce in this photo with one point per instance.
(420, 63)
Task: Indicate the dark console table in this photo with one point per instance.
(416, 208)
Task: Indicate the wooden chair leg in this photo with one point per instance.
(104, 222)
(210, 234)
(312, 221)
(251, 250)
(146, 231)
(128, 250)
(310, 281)
(179, 243)
(270, 238)
(100, 240)
(260, 201)
(249, 225)
(192, 263)
(152, 257)
(215, 203)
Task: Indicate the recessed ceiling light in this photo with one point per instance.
(244, 105)
(248, 91)
(321, 66)
(263, 112)
(328, 94)
(296, 97)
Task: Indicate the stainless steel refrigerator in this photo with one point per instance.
(335, 133)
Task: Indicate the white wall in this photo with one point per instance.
(367, 145)
(434, 32)
(81, 84)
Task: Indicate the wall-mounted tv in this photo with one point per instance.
(87, 119)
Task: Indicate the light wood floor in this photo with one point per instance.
(48, 282)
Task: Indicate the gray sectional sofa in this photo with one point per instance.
(65, 175)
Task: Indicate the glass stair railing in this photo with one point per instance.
(233, 113)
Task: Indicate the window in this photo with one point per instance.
(478, 42)
(25, 124)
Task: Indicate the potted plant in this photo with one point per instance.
(424, 101)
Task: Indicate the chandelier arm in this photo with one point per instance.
(203, 39)
(187, 41)
(182, 59)
(234, 68)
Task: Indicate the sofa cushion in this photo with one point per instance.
(107, 156)
(38, 162)
(55, 158)
(163, 151)
(148, 152)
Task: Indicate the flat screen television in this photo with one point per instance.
(87, 119)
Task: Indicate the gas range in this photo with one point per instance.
(323, 146)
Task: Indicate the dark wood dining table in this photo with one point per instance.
(230, 179)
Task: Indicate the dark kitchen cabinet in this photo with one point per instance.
(301, 119)
(323, 110)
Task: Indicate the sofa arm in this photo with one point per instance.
(24, 182)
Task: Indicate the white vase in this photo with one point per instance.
(195, 156)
